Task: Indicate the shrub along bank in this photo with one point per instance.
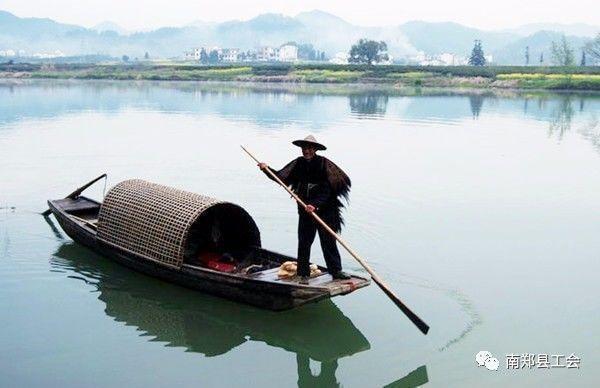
(538, 77)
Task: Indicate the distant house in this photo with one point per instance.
(44, 55)
(230, 55)
(288, 53)
(193, 55)
(248, 56)
(267, 54)
(423, 59)
(8, 53)
(340, 58)
(444, 59)
(449, 59)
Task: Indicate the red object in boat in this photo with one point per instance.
(212, 260)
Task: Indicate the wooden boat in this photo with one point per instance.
(191, 240)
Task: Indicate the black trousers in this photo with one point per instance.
(307, 229)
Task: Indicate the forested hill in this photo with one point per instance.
(325, 31)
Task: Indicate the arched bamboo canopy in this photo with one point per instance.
(166, 225)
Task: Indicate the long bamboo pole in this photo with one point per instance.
(384, 287)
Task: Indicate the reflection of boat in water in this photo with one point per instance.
(208, 325)
(416, 378)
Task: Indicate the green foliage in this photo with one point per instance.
(368, 51)
(307, 52)
(272, 70)
(542, 77)
(555, 81)
(477, 57)
(213, 57)
(333, 76)
(562, 53)
(203, 56)
(410, 74)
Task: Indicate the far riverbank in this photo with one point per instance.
(488, 77)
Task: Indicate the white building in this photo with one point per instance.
(7, 53)
(230, 55)
(267, 54)
(193, 55)
(288, 53)
(417, 59)
(447, 59)
(428, 60)
(340, 58)
(55, 54)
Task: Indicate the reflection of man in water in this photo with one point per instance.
(320, 184)
(325, 378)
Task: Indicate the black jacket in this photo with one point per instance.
(318, 182)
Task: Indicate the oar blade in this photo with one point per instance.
(414, 318)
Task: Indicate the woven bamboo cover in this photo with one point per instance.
(150, 219)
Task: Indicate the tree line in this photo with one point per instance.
(369, 52)
(562, 54)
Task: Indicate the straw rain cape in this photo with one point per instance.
(335, 184)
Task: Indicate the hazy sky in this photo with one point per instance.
(144, 14)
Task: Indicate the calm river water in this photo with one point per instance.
(482, 211)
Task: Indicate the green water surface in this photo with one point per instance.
(481, 210)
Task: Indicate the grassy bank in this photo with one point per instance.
(570, 78)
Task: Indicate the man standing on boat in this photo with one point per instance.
(320, 184)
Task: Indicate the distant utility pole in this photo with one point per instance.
(541, 58)
(582, 57)
(527, 56)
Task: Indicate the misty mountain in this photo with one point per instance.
(575, 29)
(332, 34)
(31, 28)
(110, 26)
(538, 43)
(438, 38)
(46, 35)
(325, 31)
